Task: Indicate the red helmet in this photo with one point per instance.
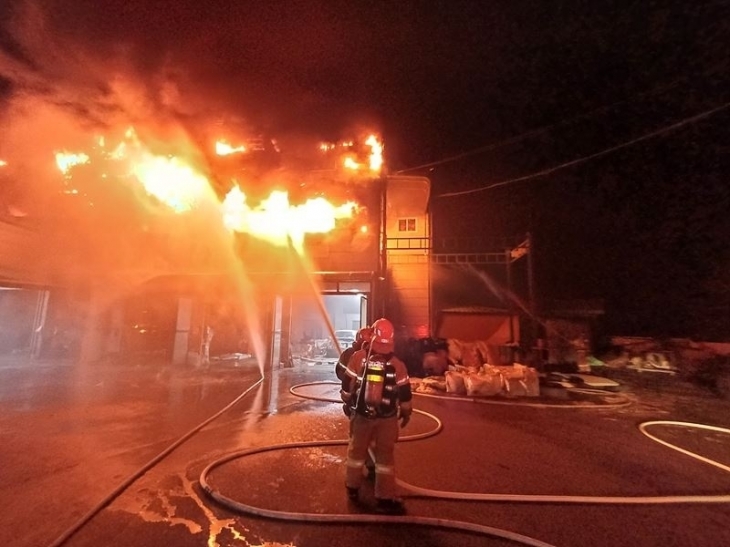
(383, 336)
(364, 335)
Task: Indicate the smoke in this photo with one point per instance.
(64, 94)
(70, 95)
(82, 73)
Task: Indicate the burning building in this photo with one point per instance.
(134, 220)
(139, 249)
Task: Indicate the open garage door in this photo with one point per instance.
(312, 343)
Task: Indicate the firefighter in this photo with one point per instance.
(362, 338)
(376, 391)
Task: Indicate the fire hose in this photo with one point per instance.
(416, 491)
(333, 518)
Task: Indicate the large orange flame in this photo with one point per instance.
(279, 222)
(350, 161)
(171, 181)
(182, 187)
(376, 153)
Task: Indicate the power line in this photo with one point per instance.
(491, 146)
(537, 131)
(584, 159)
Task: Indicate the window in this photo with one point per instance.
(407, 225)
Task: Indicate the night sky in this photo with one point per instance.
(479, 92)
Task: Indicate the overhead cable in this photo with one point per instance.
(589, 157)
(546, 128)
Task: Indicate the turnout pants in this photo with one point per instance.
(383, 433)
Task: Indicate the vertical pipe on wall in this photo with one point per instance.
(383, 266)
(508, 264)
(531, 286)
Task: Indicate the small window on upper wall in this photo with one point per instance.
(407, 225)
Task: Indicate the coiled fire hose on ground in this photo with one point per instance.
(240, 507)
(409, 520)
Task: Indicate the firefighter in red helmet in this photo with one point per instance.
(376, 391)
(362, 338)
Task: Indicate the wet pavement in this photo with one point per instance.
(72, 434)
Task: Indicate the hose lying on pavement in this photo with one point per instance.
(333, 518)
(416, 491)
(621, 400)
(643, 428)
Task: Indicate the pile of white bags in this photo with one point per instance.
(485, 381)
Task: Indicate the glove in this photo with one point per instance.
(404, 419)
(347, 410)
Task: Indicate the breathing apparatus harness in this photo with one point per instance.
(370, 400)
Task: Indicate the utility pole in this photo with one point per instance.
(508, 264)
(531, 278)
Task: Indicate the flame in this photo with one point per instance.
(222, 148)
(277, 221)
(376, 153)
(66, 160)
(3, 163)
(177, 183)
(350, 163)
(171, 181)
